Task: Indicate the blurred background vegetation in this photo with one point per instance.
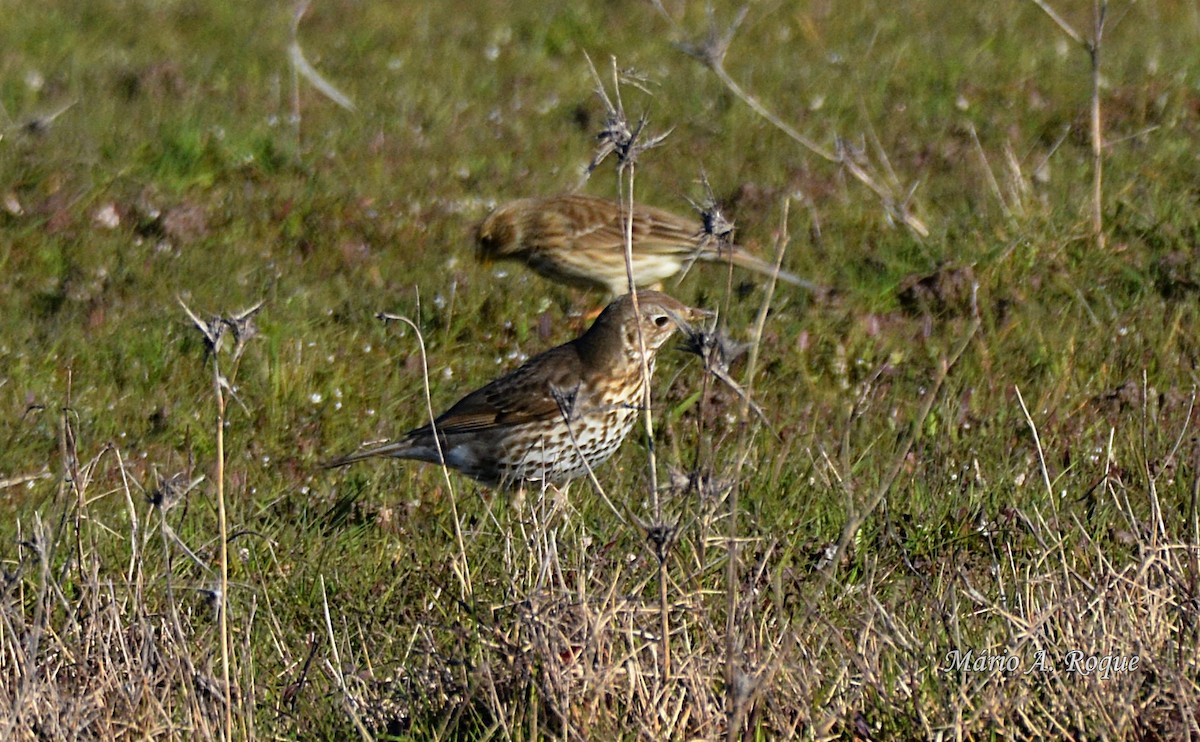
(158, 152)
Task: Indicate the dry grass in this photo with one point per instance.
(93, 650)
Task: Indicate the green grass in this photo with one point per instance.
(177, 119)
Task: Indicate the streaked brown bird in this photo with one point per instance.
(580, 241)
(563, 411)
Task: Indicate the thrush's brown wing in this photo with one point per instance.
(529, 394)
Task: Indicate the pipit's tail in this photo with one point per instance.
(743, 259)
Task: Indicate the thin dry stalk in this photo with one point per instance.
(647, 416)
(993, 184)
(463, 569)
(565, 411)
(735, 694)
(1037, 443)
(223, 523)
(302, 68)
(760, 321)
(711, 52)
(625, 141)
(71, 472)
(241, 327)
(1099, 11)
(1092, 46)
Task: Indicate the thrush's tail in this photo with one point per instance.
(397, 449)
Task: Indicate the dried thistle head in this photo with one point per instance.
(172, 490)
(241, 325)
(716, 349)
(709, 486)
(617, 136)
(663, 536)
(243, 328)
(848, 151)
(719, 351)
(715, 227)
(212, 330)
(711, 50)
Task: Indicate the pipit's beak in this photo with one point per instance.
(485, 242)
(483, 257)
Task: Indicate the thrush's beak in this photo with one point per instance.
(692, 315)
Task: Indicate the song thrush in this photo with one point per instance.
(563, 411)
(580, 241)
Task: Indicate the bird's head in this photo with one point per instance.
(656, 317)
(498, 236)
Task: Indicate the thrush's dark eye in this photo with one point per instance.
(662, 320)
